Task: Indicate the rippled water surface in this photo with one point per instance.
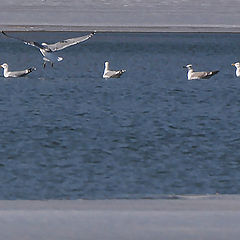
(66, 133)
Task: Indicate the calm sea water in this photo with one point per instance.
(66, 133)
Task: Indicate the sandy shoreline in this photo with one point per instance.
(120, 15)
(191, 217)
(141, 29)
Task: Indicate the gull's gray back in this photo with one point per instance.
(199, 74)
(113, 74)
(18, 73)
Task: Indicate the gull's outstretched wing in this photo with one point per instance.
(31, 43)
(68, 42)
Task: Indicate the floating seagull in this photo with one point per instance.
(198, 75)
(110, 73)
(48, 49)
(237, 65)
(22, 73)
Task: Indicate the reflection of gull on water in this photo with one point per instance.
(110, 73)
(198, 75)
(48, 49)
(237, 65)
(22, 73)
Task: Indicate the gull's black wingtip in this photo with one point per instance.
(4, 33)
(94, 32)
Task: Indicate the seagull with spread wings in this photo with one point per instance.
(48, 49)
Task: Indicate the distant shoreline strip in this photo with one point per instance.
(147, 29)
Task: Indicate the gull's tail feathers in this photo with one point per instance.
(213, 73)
(31, 69)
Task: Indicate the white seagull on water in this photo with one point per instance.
(21, 73)
(198, 75)
(48, 49)
(110, 73)
(237, 65)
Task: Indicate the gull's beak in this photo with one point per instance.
(184, 67)
(1, 66)
(233, 64)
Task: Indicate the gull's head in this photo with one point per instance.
(189, 66)
(237, 64)
(4, 65)
(106, 64)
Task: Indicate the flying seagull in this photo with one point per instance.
(22, 73)
(110, 73)
(198, 75)
(48, 49)
(237, 65)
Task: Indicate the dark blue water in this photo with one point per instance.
(66, 133)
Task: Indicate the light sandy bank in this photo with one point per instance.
(192, 217)
(120, 15)
(116, 28)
